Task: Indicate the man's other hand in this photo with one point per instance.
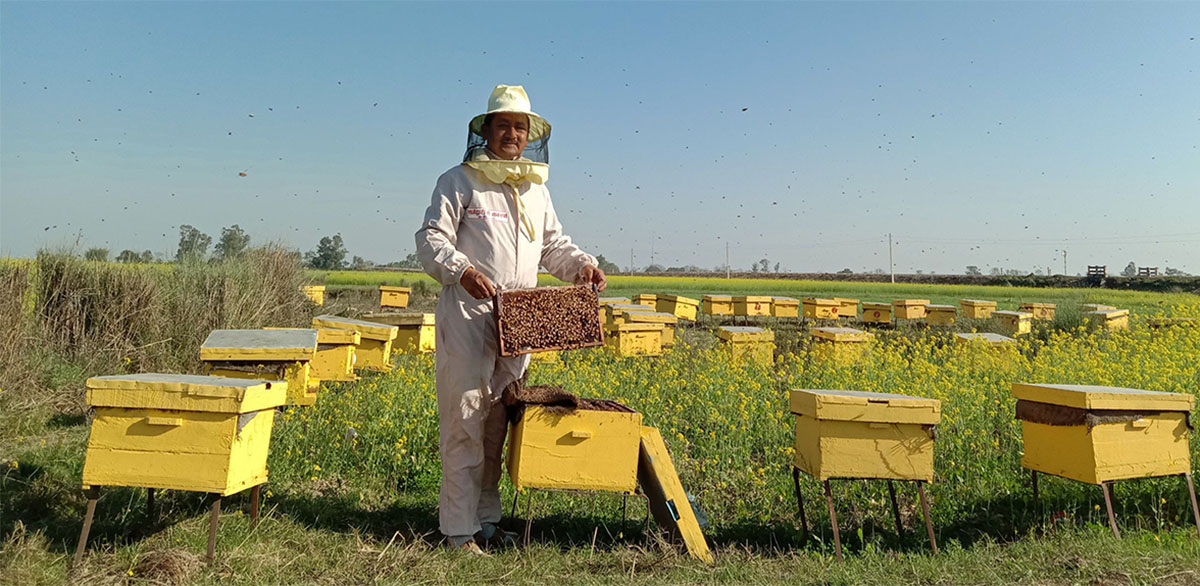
(590, 274)
(479, 286)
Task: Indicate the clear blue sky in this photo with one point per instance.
(980, 134)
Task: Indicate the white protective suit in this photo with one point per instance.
(473, 222)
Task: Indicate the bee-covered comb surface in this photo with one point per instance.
(548, 318)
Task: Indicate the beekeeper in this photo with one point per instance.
(489, 226)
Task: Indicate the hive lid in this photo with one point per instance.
(717, 298)
(368, 330)
(1016, 314)
(941, 308)
(1096, 306)
(864, 406)
(820, 301)
(613, 300)
(876, 305)
(395, 288)
(845, 300)
(982, 302)
(984, 337)
(752, 299)
(1111, 313)
(401, 318)
(1038, 305)
(679, 299)
(653, 317)
(911, 302)
(667, 499)
(785, 301)
(185, 392)
(260, 345)
(337, 336)
(629, 307)
(841, 334)
(745, 333)
(1101, 397)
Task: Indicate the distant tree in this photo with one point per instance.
(973, 270)
(655, 268)
(995, 272)
(233, 242)
(606, 265)
(762, 266)
(96, 254)
(329, 255)
(920, 272)
(129, 256)
(1173, 272)
(359, 263)
(845, 272)
(1130, 270)
(878, 271)
(410, 262)
(193, 244)
(147, 257)
(776, 267)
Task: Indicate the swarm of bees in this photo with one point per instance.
(548, 318)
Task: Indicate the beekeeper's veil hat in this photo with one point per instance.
(511, 98)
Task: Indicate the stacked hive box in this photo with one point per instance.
(877, 313)
(844, 345)
(751, 305)
(614, 313)
(785, 307)
(646, 299)
(334, 359)
(847, 308)
(816, 308)
(909, 308)
(416, 333)
(374, 351)
(680, 307)
(276, 355)
(1014, 323)
(392, 297)
(977, 308)
(941, 315)
(747, 344)
(1110, 319)
(606, 301)
(665, 321)
(634, 339)
(717, 304)
(314, 293)
(1039, 311)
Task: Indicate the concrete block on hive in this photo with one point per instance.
(680, 307)
(393, 297)
(717, 304)
(374, 350)
(583, 449)
(751, 305)
(634, 339)
(1039, 311)
(1110, 319)
(646, 299)
(1014, 323)
(416, 333)
(747, 344)
(668, 322)
(941, 315)
(785, 307)
(314, 293)
(273, 355)
(977, 308)
(547, 318)
(847, 308)
(844, 345)
(817, 308)
(877, 313)
(909, 308)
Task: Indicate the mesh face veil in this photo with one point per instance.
(536, 151)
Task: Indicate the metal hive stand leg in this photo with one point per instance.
(925, 511)
(837, 537)
(1192, 493)
(93, 495)
(528, 517)
(255, 493)
(212, 528)
(1112, 519)
(895, 508)
(800, 500)
(150, 504)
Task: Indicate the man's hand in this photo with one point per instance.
(591, 274)
(479, 286)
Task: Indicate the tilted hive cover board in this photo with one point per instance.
(547, 318)
(265, 345)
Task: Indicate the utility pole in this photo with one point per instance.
(1064, 263)
(726, 259)
(631, 259)
(891, 262)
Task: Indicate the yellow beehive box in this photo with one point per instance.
(751, 305)
(1096, 307)
(1014, 323)
(416, 334)
(909, 308)
(274, 355)
(716, 304)
(666, 320)
(847, 307)
(680, 307)
(977, 308)
(374, 351)
(315, 293)
(630, 339)
(1097, 434)
(785, 307)
(816, 308)
(334, 359)
(584, 449)
(545, 357)
(646, 299)
(182, 432)
(612, 300)
(993, 340)
(1110, 319)
(393, 296)
(744, 344)
(845, 345)
(614, 313)
(1040, 311)
(877, 313)
(856, 434)
(941, 315)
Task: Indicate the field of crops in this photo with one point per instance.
(353, 490)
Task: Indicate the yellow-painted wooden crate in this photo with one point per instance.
(315, 293)
(856, 434)
(941, 315)
(546, 357)
(977, 308)
(667, 500)
(1096, 434)
(785, 307)
(646, 299)
(751, 305)
(747, 344)
(845, 345)
(716, 304)
(182, 432)
(816, 308)
(334, 359)
(275, 355)
(394, 297)
(579, 450)
(374, 351)
(1096, 307)
(668, 322)
(680, 307)
(847, 307)
(909, 308)
(1110, 319)
(993, 340)
(877, 313)
(629, 339)
(614, 313)
(1014, 323)
(1039, 311)
(416, 332)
